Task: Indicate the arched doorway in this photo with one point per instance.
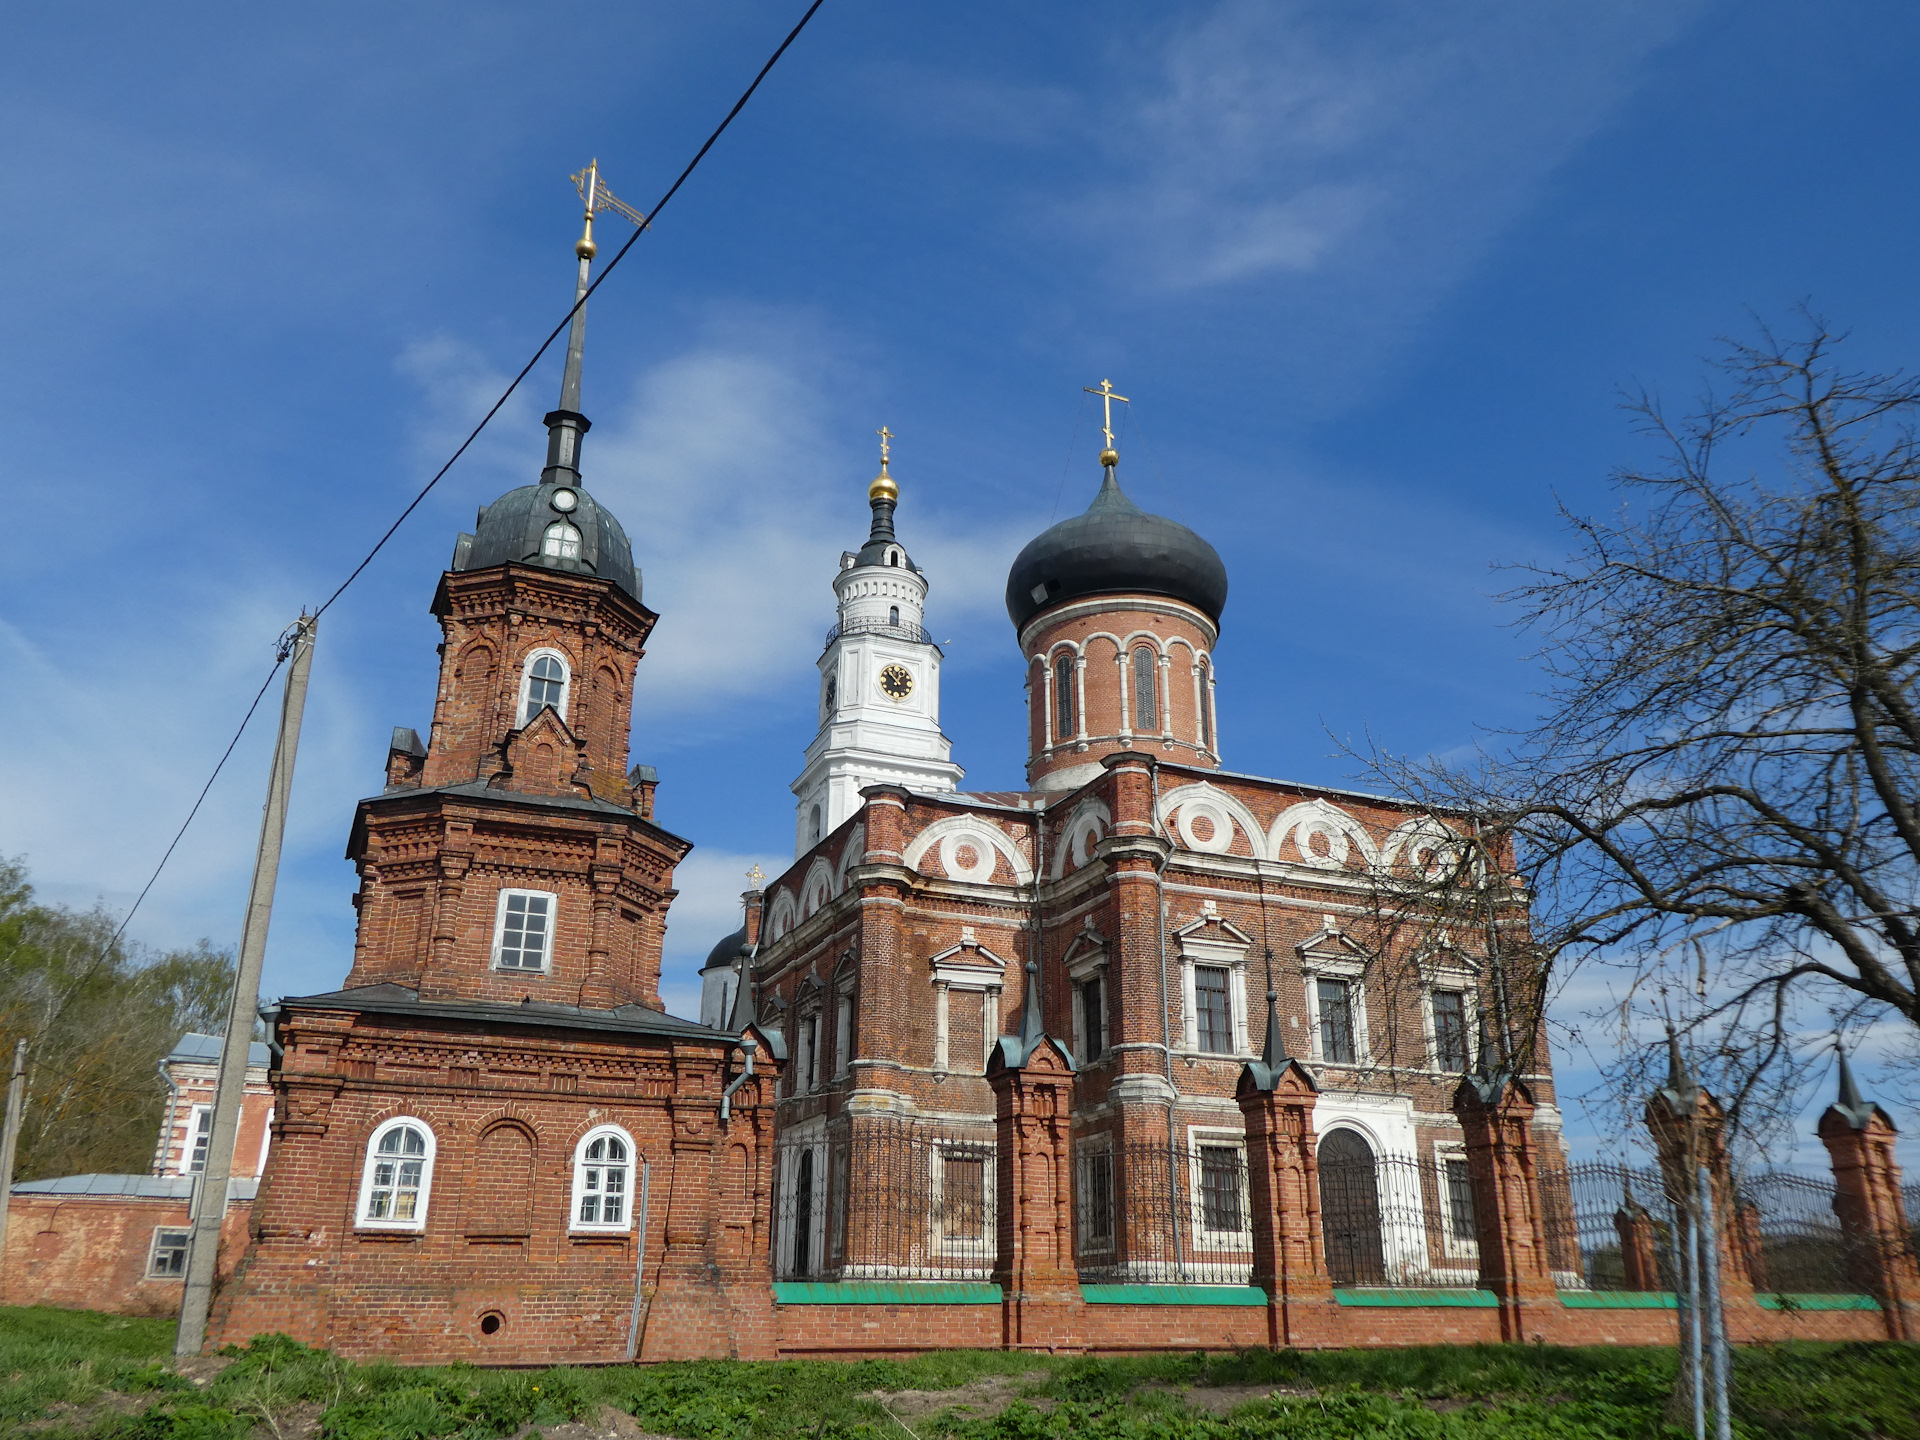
(1350, 1209)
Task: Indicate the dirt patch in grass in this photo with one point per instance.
(1224, 1399)
(979, 1399)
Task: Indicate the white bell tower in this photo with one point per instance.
(879, 682)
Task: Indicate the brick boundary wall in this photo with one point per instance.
(89, 1252)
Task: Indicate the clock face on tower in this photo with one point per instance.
(896, 682)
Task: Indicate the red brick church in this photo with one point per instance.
(1147, 1054)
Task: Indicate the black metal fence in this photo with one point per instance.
(1608, 1227)
(1154, 1213)
(885, 1200)
(1793, 1240)
(1398, 1220)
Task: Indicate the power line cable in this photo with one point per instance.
(485, 420)
(567, 319)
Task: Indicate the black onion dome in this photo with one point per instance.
(723, 954)
(1115, 548)
(514, 529)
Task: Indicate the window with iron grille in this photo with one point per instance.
(1093, 1018)
(1220, 1188)
(1460, 1200)
(168, 1257)
(1450, 1031)
(963, 1197)
(1212, 1009)
(1336, 1021)
(1096, 1198)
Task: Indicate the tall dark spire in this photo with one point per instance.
(566, 427)
(1681, 1092)
(1853, 1107)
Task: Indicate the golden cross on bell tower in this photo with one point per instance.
(886, 437)
(756, 875)
(1107, 394)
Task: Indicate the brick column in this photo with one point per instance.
(743, 1209)
(1639, 1257)
(1497, 1115)
(1032, 1080)
(1276, 1097)
(1689, 1130)
(1860, 1139)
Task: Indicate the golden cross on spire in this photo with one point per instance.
(886, 436)
(756, 875)
(1107, 396)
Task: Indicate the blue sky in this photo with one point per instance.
(1374, 275)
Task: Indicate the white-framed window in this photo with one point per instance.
(806, 1069)
(1456, 1201)
(1452, 1037)
(398, 1176)
(802, 1213)
(1217, 1185)
(1337, 1007)
(167, 1255)
(843, 1033)
(545, 679)
(1213, 987)
(603, 1180)
(963, 1201)
(197, 1141)
(562, 542)
(1093, 1195)
(1065, 721)
(523, 930)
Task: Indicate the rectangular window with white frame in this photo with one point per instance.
(1093, 1195)
(197, 1141)
(523, 930)
(1217, 1184)
(1456, 1196)
(167, 1256)
(1090, 997)
(842, 1034)
(1337, 1035)
(1452, 1049)
(1213, 986)
(1213, 1009)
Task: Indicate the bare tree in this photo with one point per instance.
(1723, 793)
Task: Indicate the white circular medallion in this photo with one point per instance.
(967, 856)
(564, 500)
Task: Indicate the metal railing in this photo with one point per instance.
(913, 634)
(885, 1200)
(1595, 1215)
(1790, 1237)
(1153, 1213)
(1398, 1220)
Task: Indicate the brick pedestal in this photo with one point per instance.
(1860, 1139)
(1032, 1080)
(1276, 1098)
(1497, 1115)
(1689, 1131)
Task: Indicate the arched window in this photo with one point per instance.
(893, 615)
(544, 685)
(1350, 1209)
(814, 827)
(1063, 707)
(603, 1180)
(562, 542)
(398, 1175)
(1206, 707)
(1146, 708)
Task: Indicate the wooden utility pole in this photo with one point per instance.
(210, 1192)
(9, 1138)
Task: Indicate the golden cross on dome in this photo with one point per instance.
(886, 436)
(756, 875)
(1107, 396)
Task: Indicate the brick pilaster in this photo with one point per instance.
(1689, 1131)
(1277, 1101)
(1497, 1116)
(1032, 1080)
(1860, 1139)
(1633, 1223)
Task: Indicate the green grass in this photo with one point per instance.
(115, 1370)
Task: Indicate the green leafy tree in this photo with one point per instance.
(98, 1016)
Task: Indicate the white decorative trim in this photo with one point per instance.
(818, 888)
(1227, 947)
(1311, 818)
(985, 837)
(1226, 812)
(1085, 829)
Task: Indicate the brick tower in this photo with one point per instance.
(492, 1144)
(1117, 612)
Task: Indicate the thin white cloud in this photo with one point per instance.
(707, 908)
